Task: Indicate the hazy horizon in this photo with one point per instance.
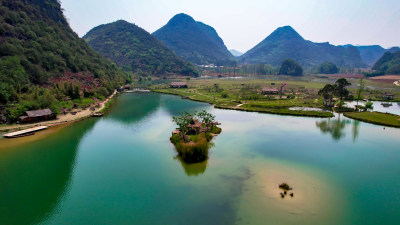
(244, 25)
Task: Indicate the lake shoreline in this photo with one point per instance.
(62, 119)
(293, 113)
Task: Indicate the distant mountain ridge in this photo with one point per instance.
(235, 53)
(194, 41)
(370, 54)
(285, 43)
(389, 63)
(134, 49)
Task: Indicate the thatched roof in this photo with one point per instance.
(269, 89)
(195, 124)
(38, 113)
(388, 94)
(178, 84)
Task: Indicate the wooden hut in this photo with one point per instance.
(269, 91)
(195, 127)
(37, 115)
(329, 102)
(178, 85)
(388, 96)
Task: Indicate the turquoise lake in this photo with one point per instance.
(122, 169)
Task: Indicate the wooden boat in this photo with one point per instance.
(97, 114)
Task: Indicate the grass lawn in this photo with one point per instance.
(245, 94)
(379, 118)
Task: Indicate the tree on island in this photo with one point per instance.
(341, 88)
(193, 139)
(183, 122)
(328, 68)
(206, 118)
(360, 90)
(327, 92)
(291, 68)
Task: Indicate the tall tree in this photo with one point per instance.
(360, 89)
(341, 88)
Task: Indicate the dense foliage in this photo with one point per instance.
(39, 48)
(134, 49)
(388, 64)
(291, 68)
(194, 41)
(285, 43)
(328, 68)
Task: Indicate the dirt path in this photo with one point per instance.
(61, 119)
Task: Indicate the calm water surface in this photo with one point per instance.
(122, 169)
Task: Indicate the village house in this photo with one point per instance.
(195, 127)
(178, 85)
(269, 91)
(37, 115)
(388, 96)
(329, 103)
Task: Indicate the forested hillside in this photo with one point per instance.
(39, 48)
(135, 50)
(389, 63)
(194, 41)
(285, 43)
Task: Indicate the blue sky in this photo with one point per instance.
(244, 23)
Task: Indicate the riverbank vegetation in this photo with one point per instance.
(246, 95)
(192, 139)
(385, 119)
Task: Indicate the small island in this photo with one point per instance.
(193, 137)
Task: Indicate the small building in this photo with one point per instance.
(270, 91)
(388, 96)
(178, 85)
(37, 115)
(195, 127)
(329, 103)
(127, 87)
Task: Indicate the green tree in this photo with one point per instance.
(291, 68)
(183, 120)
(360, 89)
(369, 106)
(206, 117)
(328, 91)
(341, 88)
(328, 68)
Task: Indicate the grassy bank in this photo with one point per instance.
(245, 95)
(385, 119)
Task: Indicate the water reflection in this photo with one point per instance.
(133, 107)
(355, 129)
(193, 169)
(31, 185)
(334, 127)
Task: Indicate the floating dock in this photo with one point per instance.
(26, 132)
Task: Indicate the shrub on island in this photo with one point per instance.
(193, 137)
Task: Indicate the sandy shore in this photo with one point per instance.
(61, 119)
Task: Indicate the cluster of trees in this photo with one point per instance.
(184, 119)
(328, 68)
(291, 68)
(339, 89)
